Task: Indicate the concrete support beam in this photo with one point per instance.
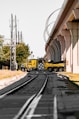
(52, 53)
(55, 45)
(58, 53)
(74, 30)
(63, 49)
(68, 46)
(76, 13)
(48, 57)
(53, 50)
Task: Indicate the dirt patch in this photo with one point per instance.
(72, 77)
(8, 73)
(8, 77)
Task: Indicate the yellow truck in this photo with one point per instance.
(40, 64)
(32, 64)
(59, 66)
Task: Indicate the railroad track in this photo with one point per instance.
(15, 102)
(47, 95)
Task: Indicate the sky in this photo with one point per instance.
(31, 19)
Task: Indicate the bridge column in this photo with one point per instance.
(62, 43)
(74, 30)
(55, 51)
(58, 47)
(67, 37)
(52, 53)
(48, 57)
(76, 13)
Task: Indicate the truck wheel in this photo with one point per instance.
(61, 69)
(55, 69)
(49, 69)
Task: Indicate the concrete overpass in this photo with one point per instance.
(63, 43)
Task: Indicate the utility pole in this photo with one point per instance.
(15, 41)
(13, 45)
(18, 38)
(21, 36)
(16, 29)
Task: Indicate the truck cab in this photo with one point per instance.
(32, 64)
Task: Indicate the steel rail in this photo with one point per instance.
(14, 89)
(26, 109)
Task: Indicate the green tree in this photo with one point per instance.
(22, 53)
(6, 53)
(1, 45)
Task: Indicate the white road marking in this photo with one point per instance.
(40, 115)
(30, 111)
(55, 108)
(24, 106)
